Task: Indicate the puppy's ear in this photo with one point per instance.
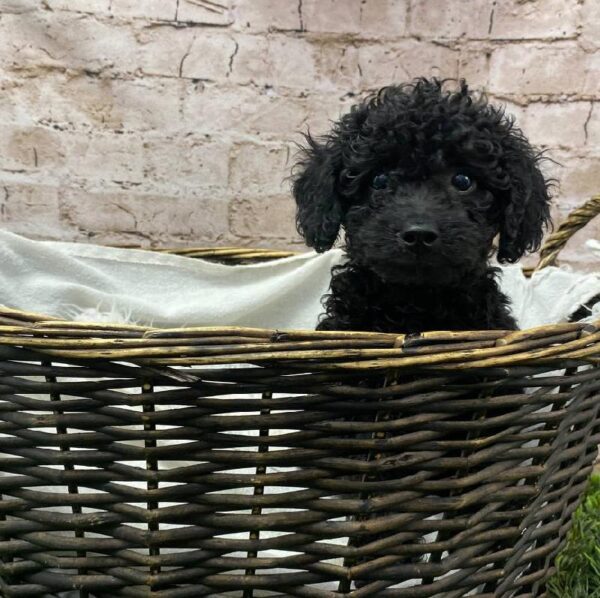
(526, 212)
(319, 208)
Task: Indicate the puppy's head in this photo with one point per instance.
(422, 179)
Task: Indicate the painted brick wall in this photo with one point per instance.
(171, 122)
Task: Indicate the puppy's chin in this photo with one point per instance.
(420, 272)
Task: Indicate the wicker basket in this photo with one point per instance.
(248, 462)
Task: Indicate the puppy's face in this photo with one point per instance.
(429, 231)
(422, 179)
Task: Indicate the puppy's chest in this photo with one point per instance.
(374, 306)
(412, 310)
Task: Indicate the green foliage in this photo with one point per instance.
(578, 565)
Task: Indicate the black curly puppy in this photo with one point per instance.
(422, 179)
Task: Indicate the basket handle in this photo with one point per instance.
(577, 219)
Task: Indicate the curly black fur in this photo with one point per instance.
(420, 135)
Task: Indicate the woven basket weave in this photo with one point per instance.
(248, 462)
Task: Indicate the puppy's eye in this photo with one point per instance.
(380, 181)
(462, 182)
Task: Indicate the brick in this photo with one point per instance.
(591, 68)
(385, 64)
(19, 6)
(592, 127)
(13, 110)
(149, 9)
(250, 65)
(293, 62)
(92, 45)
(258, 169)
(273, 114)
(104, 156)
(206, 12)
(186, 52)
(138, 105)
(384, 18)
(275, 60)
(577, 176)
(192, 162)
(88, 6)
(590, 23)
(110, 217)
(322, 109)
(39, 42)
(271, 217)
(557, 124)
(336, 16)
(243, 110)
(30, 209)
(144, 105)
(267, 15)
(450, 19)
(474, 67)
(68, 102)
(542, 19)
(30, 148)
(337, 67)
(210, 57)
(164, 50)
(209, 109)
(535, 69)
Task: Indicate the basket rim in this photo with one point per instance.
(574, 343)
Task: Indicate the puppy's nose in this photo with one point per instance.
(419, 236)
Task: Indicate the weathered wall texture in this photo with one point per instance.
(172, 122)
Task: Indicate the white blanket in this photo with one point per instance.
(89, 282)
